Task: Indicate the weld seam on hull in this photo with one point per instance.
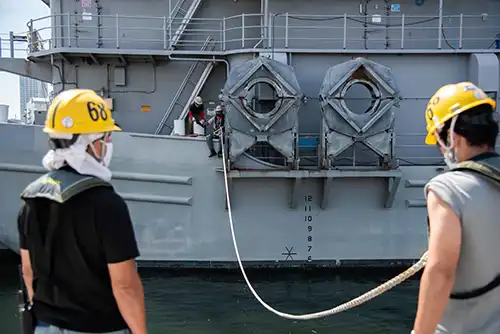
(416, 203)
(415, 183)
(141, 177)
(157, 199)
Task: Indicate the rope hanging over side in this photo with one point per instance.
(343, 307)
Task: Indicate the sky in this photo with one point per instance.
(14, 14)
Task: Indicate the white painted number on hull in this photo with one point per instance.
(308, 218)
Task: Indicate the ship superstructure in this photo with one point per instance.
(325, 129)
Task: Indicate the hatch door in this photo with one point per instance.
(378, 22)
(87, 25)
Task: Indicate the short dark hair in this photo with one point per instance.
(477, 125)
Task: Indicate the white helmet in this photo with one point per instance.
(198, 101)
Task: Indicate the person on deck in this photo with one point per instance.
(459, 289)
(217, 120)
(196, 114)
(77, 241)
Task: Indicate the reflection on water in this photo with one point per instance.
(221, 303)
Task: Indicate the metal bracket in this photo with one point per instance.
(123, 61)
(392, 178)
(325, 194)
(153, 61)
(94, 59)
(295, 192)
(392, 188)
(392, 182)
(66, 59)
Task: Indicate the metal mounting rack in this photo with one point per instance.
(392, 177)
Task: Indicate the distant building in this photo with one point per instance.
(35, 111)
(29, 88)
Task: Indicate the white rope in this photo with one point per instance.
(343, 307)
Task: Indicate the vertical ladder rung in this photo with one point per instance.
(192, 82)
(180, 104)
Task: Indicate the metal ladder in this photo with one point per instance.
(178, 110)
(188, 15)
(178, 13)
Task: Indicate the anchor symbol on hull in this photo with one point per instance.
(289, 253)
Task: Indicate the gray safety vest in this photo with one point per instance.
(489, 168)
(58, 186)
(61, 185)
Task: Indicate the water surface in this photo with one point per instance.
(221, 303)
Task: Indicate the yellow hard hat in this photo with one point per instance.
(449, 101)
(79, 111)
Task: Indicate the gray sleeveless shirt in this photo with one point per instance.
(476, 201)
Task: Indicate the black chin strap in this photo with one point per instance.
(56, 143)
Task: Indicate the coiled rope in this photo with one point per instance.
(341, 308)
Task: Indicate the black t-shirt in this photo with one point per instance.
(196, 110)
(94, 229)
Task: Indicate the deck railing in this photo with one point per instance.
(246, 31)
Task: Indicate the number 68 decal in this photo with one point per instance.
(97, 111)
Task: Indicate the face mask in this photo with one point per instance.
(106, 159)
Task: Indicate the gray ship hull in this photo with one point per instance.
(150, 62)
(176, 198)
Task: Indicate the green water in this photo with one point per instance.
(221, 303)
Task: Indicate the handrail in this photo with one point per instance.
(285, 31)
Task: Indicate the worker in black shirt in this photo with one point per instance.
(196, 114)
(77, 241)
